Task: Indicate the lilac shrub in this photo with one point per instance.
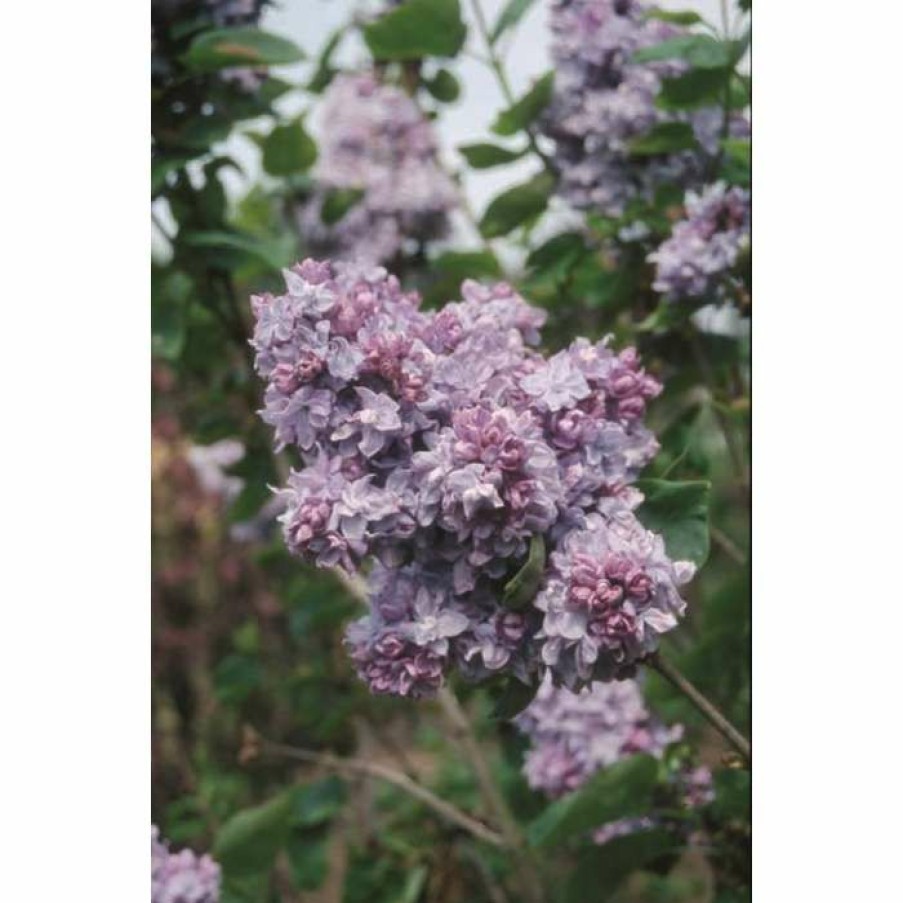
(575, 735)
(443, 445)
(604, 99)
(182, 877)
(705, 245)
(378, 142)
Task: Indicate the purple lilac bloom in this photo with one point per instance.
(575, 735)
(604, 100)
(377, 142)
(705, 245)
(440, 445)
(610, 593)
(182, 877)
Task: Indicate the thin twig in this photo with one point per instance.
(463, 732)
(727, 545)
(724, 727)
(495, 64)
(440, 806)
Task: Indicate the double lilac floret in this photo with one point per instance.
(604, 99)
(575, 735)
(704, 246)
(182, 877)
(443, 446)
(378, 143)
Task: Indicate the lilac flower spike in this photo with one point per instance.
(604, 99)
(575, 735)
(442, 446)
(705, 245)
(379, 143)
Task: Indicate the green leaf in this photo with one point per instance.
(693, 89)
(512, 699)
(325, 70)
(170, 296)
(521, 589)
(338, 202)
(676, 17)
(230, 244)
(605, 868)
(443, 86)
(699, 50)
(236, 677)
(161, 167)
(416, 29)
(484, 156)
(308, 856)
(554, 261)
(524, 111)
(664, 138)
(514, 207)
(288, 149)
(247, 843)
(225, 47)
(622, 790)
(513, 12)
(733, 792)
(446, 273)
(737, 163)
(317, 803)
(462, 264)
(680, 513)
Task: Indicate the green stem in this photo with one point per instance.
(495, 64)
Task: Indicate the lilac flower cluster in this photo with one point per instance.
(182, 877)
(444, 446)
(379, 143)
(604, 99)
(705, 245)
(575, 735)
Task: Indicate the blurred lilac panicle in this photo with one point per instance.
(376, 141)
(575, 735)
(603, 100)
(440, 443)
(705, 245)
(182, 877)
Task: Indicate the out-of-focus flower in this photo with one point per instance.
(575, 735)
(705, 245)
(604, 99)
(377, 143)
(182, 877)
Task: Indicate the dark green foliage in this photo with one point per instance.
(417, 28)
(524, 112)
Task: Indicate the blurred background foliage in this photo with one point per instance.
(247, 641)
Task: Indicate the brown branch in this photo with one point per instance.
(714, 716)
(463, 732)
(440, 806)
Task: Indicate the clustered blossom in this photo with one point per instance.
(575, 735)
(443, 445)
(378, 142)
(705, 245)
(182, 877)
(604, 99)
